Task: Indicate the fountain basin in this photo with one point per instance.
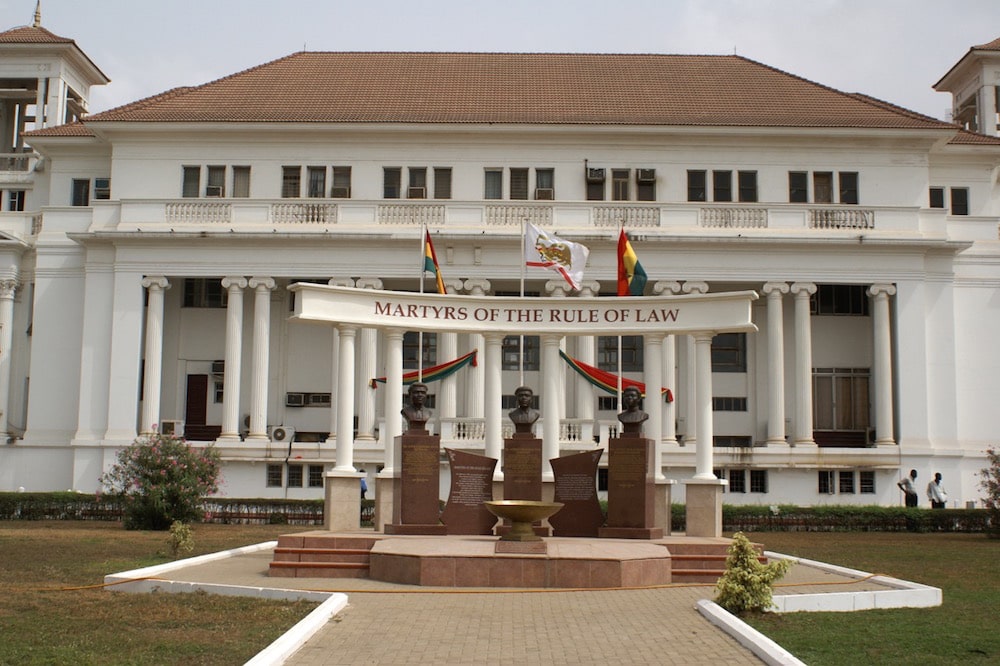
(521, 514)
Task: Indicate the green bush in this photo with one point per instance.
(990, 483)
(162, 479)
(747, 584)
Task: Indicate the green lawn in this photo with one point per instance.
(965, 629)
(43, 622)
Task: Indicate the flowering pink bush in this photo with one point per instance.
(162, 479)
(990, 483)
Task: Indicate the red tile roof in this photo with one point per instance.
(27, 34)
(989, 46)
(518, 88)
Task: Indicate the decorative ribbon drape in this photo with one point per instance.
(607, 381)
(435, 373)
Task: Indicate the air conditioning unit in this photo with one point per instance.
(213, 190)
(416, 193)
(645, 175)
(295, 399)
(544, 193)
(281, 433)
(173, 427)
(218, 367)
(595, 175)
(340, 193)
(102, 188)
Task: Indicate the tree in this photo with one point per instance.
(162, 479)
(990, 483)
(747, 583)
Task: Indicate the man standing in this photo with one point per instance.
(909, 488)
(936, 493)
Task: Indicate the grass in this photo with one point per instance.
(963, 630)
(44, 622)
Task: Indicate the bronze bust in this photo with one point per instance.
(415, 413)
(632, 417)
(523, 416)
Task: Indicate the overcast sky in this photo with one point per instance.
(894, 50)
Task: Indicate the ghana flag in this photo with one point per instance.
(631, 276)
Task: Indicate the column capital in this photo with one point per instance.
(340, 282)
(7, 288)
(695, 287)
(494, 337)
(477, 287)
(231, 282)
(347, 330)
(589, 289)
(803, 289)
(661, 287)
(453, 286)
(369, 283)
(703, 337)
(557, 287)
(877, 290)
(261, 283)
(157, 281)
(775, 289)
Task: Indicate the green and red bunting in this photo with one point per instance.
(607, 381)
(435, 373)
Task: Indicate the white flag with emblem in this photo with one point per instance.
(548, 251)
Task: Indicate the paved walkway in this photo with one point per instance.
(386, 623)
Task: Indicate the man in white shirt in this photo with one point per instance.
(909, 489)
(936, 493)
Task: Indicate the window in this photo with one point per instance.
(442, 182)
(215, 186)
(274, 476)
(191, 183)
(798, 187)
(102, 189)
(217, 393)
(845, 483)
(936, 197)
(493, 184)
(315, 476)
(411, 341)
(316, 177)
(81, 192)
(866, 482)
(392, 181)
(748, 186)
(645, 184)
(840, 400)
(959, 201)
(607, 403)
(758, 480)
(511, 352)
(839, 299)
(15, 202)
(826, 481)
(848, 187)
(737, 480)
(696, 186)
(204, 293)
(241, 181)
(732, 441)
(722, 186)
(595, 184)
(519, 184)
(295, 476)
(823, 187)
(619, 184)
(545, 184)
(729, 352)
(341, 182)
(418, 183)
(291, 182)
(607, 353)
(729, 404)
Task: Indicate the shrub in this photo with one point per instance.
(990, 483)
(747, 583)
(161, 479)
(181, 538)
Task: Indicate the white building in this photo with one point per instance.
(146, 253)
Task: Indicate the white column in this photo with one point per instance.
(96, 332)
(560, 288)
(775, 362)
(259, 373)
(690, 373)
(40, 103)
(476, 378)
(447, 351)
(703, 364)
(393, 399)
(550, 403)
(345, 399)
(125, 350)
(7, 288)
(155, 285)
(234, 286)
(669, 426)
(803, 365)
(652, 370)
(585, 353)
(493, 399)
(331, 438)
(367, 343)
(880, 293)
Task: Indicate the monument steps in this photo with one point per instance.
(320, 555)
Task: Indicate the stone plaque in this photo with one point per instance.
(631, 491)
(576, 488)
(415, 506)
(522, 468)
(471, 485)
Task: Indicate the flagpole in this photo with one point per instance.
(520, 342)
(420, 334)
(621, 229)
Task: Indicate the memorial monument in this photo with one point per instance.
(522, 455)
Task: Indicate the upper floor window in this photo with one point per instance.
(645, 184)
(291, 182)
(697, 185)
(241, 181)
(620, 184)
(545, 184)
(215, 186)
(511, 351)
(81, 192)
(418, 183)
(316, 185)
(729, 352)
(607, 353)
(411, 345)
(595, 184)
(341, 183)
(102, 189)
(824, 185)
(15, 200)
(839, 299)
(493, 184)
(392, 181)
(848, 187)
(442, 182)
(519, 184)
(936, 197)
(204, 293)
(722, 186)
(191, 182)
(959, 201)
(748, 186)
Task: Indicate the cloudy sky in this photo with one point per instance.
(894, 50)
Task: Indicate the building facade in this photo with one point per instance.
(147, 253)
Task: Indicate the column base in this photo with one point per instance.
(663, 492)
(704, 507)
(342, 492)
(384, 489)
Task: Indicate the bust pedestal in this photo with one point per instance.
(415, 505)
(522, 473)
(631, 489)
